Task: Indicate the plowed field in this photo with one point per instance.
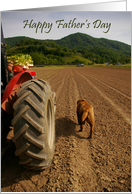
(100, 164)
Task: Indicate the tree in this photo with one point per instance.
(65, 49)
(114, 61)
(37, 58)
(102, 60)
(74, 50)
(53, 44)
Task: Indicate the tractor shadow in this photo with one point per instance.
(12, 172)
(66, 127)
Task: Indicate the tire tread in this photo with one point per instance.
(30, 126)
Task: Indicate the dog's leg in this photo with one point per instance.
(91, 131)
(81, 126)
(78, 118)
(84, 116)
(90, 120)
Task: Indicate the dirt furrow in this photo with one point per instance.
(118, 78)
(126, 116)
(122, 101)
(100, 164)
(110, 142)
(56, 80)
(83, 177)
(126, 96)
(60, 170)
(74, 158)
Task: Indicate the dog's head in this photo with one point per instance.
(80, 100)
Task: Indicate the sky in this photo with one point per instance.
(56, 25)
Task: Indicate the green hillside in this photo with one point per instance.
(86, 42)
(72, 49)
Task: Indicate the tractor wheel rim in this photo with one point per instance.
(50, 122)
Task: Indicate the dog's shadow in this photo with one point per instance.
(66, 127)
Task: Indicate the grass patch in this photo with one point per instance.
(74, 57)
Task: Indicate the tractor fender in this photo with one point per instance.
(9, 95)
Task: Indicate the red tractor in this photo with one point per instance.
(29, 105)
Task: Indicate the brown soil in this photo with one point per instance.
(100, 164)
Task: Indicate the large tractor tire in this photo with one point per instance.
(34, 124)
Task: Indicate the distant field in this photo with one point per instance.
(46, 72)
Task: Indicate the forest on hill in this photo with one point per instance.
(72, 49)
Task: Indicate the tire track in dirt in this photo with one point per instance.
(123, 114)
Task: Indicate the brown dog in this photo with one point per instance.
(85, 112)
